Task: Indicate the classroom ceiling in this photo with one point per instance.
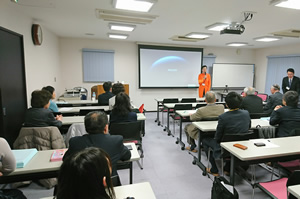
(77, 18)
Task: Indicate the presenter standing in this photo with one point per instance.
(204, 81)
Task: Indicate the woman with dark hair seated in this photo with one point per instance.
(53, 107)
(39, 114)
(86, 174)
(122, 111)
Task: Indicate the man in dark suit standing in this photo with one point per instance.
(96, 125)
(287, 116)
(291, 82)
(274, 99)
(104, 97)
(251, 102)
(234, 121)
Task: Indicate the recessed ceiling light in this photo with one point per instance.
(198, 35)
(267, 38)
(237, 44)
(117, 36)
(121, 27)
(217, 26)
(134, 5)
(293, 4)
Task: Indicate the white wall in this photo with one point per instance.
(126, 67)
(262, 61)
(41, 62)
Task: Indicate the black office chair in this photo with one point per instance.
(188, 100)
(131, 132)
(163, 109)
(258, 115)
(84, 112)
(231, 138)
(200, 105)
(176, 117)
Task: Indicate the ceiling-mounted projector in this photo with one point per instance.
(235, 29)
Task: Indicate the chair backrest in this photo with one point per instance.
(258, 115)
(240, 137)
(263, 96)
(129, 130)
(295, 132)
(183, 107)
(84, 112)
(210, 119)
(200, 105)
(170, 100)
(76, 129)
(188, 100)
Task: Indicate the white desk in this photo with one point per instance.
(40, 167)
(159, 102)
(295, 190)
(138, 191)
(288, 147)
(75, 102)
(211, 126)
(184, 114)
(68, 120)
(76, 109)
(172, 105)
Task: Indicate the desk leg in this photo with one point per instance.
(130, 173)
(157, 118)
(197, 160)
(232, 169)
(168, 123)
(179, 140)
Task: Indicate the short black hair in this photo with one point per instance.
(233, 100)
(290, 70)
(204, 66)
(95, 122)
(107, 86)
(118, 88)
(291, 98)
(40, 98)
(50, 89)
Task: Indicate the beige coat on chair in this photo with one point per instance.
(41, 138)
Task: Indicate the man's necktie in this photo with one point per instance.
(290, 83)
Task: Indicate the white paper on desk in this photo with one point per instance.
(228, 187)
(65, 109)
(266, 142)
(265, 118)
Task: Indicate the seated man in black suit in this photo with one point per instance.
(96, 125)
(251, 102)
(104, 97)
(274, 99)
(291, 82)
(287, 116)
(39, 115)
(234, 121)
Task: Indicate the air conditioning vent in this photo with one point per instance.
(288, 33)
(126, 17)
(183, 38)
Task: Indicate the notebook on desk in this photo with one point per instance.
(23, 156)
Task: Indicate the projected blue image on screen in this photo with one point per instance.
(172, 61)
(169, 68)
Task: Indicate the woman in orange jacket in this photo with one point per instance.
(204, 81)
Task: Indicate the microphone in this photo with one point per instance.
(204, 73)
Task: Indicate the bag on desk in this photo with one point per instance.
(221, 189)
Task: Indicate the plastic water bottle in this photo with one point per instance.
(94, 96)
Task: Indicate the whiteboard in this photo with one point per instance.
(232, 75)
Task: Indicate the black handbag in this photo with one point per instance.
(218, 190)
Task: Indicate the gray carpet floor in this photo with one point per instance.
(169, 170)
